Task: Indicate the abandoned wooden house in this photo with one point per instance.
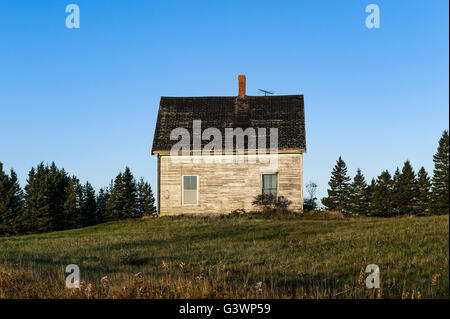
(206, 182)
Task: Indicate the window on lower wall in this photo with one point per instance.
(190, 190)
(269, 184)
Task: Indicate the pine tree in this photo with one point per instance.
(44, 199)
(123, 200)
(52, 201)
(406, 195)
(339, 192)
(382, 196)
(423, 192)
(11, 202)
(37, 217)
(115, 204)
(146, 200)
(5, 212)
(102, 200)
(16, 200)
(440, 181)
(129, 194)
(88, 205)
(359, 201)
(57, 183)
(72, 204)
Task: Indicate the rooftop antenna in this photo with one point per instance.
(266, 92)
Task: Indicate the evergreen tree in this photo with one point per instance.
(339, 192)
(440, 181)
(54, 201)
(129, 194)
(423, 192)
(37, 216)
(5, 211)
(115, 204)
(359, 201)
(16, 192)
(57, 183)
(102, 200)
(45, 194)
(406, 192)
(72, 204)
(88, 205)
(11, 202)
(382, 196)
(146, 200)
(123, 201)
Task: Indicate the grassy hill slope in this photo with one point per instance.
(233, 257)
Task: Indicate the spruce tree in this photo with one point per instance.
(11, 202)
(52, 201)
(382, 204)
(102, 200)
(72, 204)
(44, 199)
(88, 205)
(440, 181)
(359, 201)
(5, 212)
(37, 216)
(57, 183)
(339, 192)
(123, 200)
(16, 200)
(146, 200)
(129, 194)
(406, 192)
(115, 204)
(115, 207)
(423, 192)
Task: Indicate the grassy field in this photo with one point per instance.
(212, 257)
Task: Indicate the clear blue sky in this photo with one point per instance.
(88, 98)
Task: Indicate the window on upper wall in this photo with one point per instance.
(269, 184)
(190, 190)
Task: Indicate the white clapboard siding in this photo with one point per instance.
(224, 185)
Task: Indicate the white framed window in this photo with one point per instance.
(269, 184)
(190, 189)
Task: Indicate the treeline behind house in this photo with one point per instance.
(54, 200)
(403, 193)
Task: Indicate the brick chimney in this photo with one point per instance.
(241, 79)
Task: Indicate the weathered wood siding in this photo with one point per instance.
(225, 185)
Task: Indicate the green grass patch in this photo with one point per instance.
(214, 257)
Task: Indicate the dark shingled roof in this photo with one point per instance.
(285, 112)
